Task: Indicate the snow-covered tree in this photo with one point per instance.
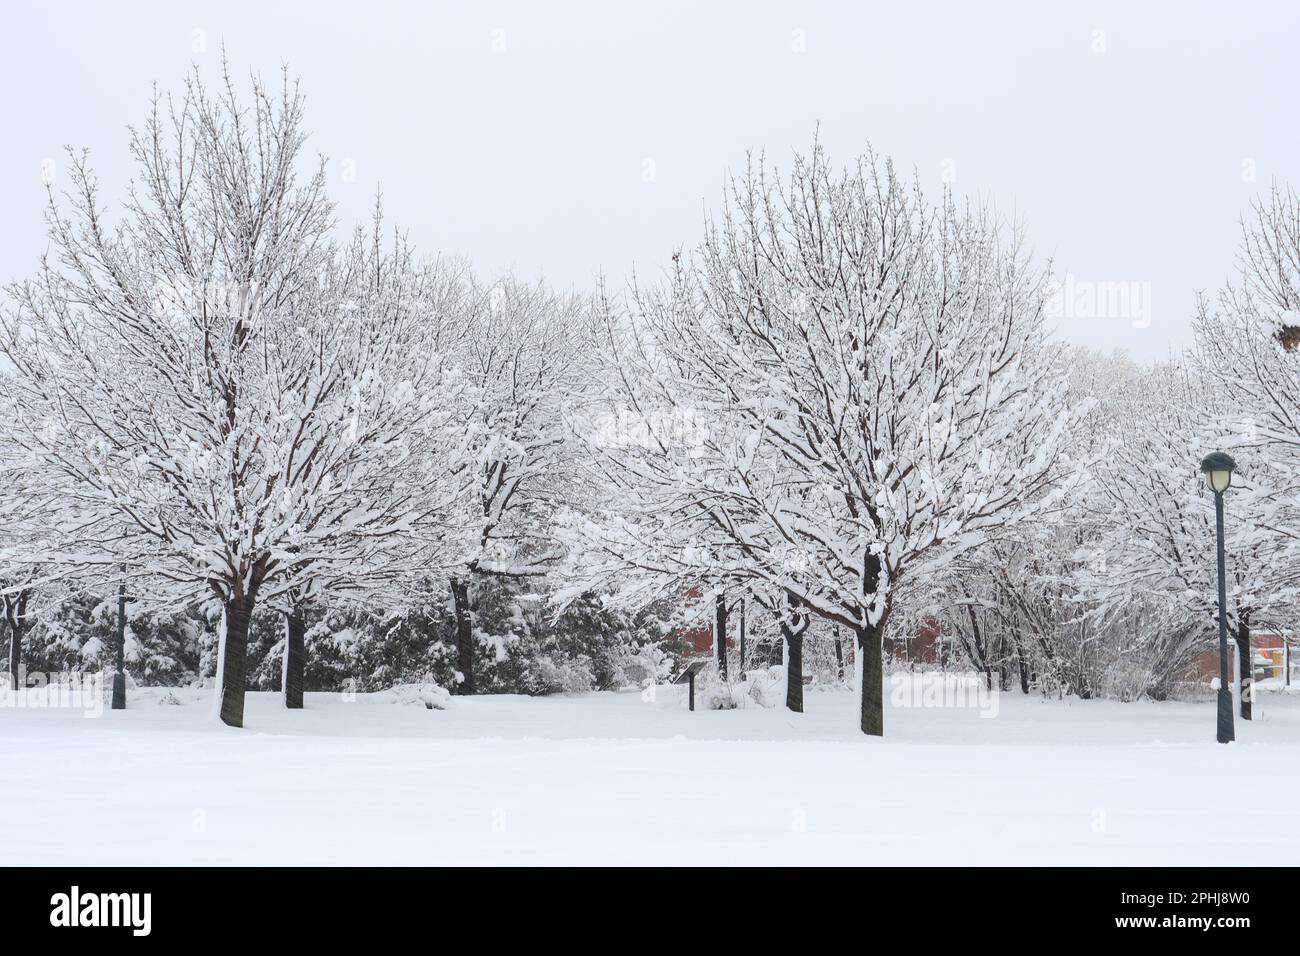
(1245, 356)
(1270, 263)
(873, 387)
(205, 373)
(522, 351)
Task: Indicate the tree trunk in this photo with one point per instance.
(234, 660)
(871, 667)
(742, 635)
(839, 653)
(1022, 663)
(1082, 681)
(793, 626)
(978, 651)
(15, 615)
(119, 652)
(720, 633)
(15, 656)
(793, 669)
(295, 657)
(1245, 667)
(464, 635)
(872, 691)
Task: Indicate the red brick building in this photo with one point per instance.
(922, 647)
(698, 640)
(1266, 649)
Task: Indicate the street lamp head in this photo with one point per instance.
(1217, 468)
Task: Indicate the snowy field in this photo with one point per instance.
(615, 779)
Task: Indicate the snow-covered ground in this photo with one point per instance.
(615, 778)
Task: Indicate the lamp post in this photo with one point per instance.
(119, 652)
(1217, 468)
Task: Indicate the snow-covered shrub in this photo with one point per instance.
(589, 645)
(714, 692)
(163, 647)
(523, 647)
(766, 686)
(646, 666)
(426, 694)
(352, 645)
(563, 677)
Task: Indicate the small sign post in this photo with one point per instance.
(687, 677)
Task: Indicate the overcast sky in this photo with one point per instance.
(564, 138)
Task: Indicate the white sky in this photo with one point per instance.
(1124, 165)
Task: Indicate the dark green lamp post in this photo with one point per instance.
(1217, 469)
